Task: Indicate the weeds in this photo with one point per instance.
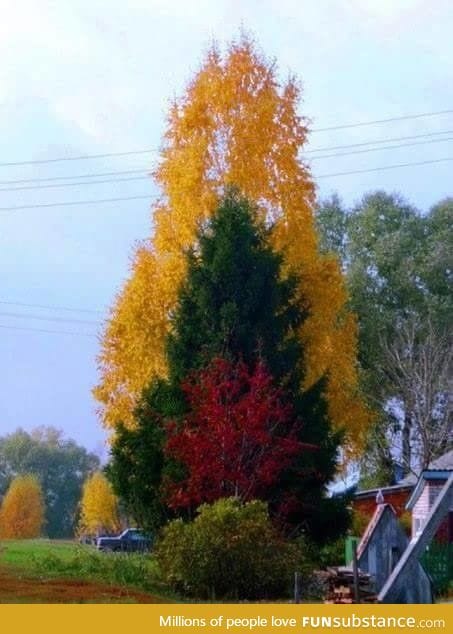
(122, 569)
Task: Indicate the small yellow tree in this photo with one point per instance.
(22, 512)
(99, 506)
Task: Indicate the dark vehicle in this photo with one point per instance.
(131, 540)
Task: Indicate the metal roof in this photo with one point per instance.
(429, 474)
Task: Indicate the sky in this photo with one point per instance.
(96, 77)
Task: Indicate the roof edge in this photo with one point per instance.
(427, 474)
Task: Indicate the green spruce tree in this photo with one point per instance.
(236, 305)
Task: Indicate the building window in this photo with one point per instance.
(417, 526)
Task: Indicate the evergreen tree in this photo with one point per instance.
(137, 463)
(235, 305)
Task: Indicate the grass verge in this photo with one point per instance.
(43, 561)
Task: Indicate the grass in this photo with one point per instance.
(51, 570)
(22, 552)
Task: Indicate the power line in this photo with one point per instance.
(146, 174)
(328, 148)
(376, 149)
(76, 202)
(47, 307)
(379, 121)
(150, 199)
(75, 184)
(383, 167)
(144, 170)
(74, 176)
(82, 157)
(56, 332)
(150, 150)
(57, 319)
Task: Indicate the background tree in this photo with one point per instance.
(60, 465)
(332, 224)
(99, 506)
(22, 513)
(399, 269)
(235, 125)
(420, 369)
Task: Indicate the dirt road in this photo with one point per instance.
(15, 588)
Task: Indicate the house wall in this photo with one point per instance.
(422, 507)
(420, 511)
(397, 499)
(405, 584)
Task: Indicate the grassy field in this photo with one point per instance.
(45, 571)
(22, 552)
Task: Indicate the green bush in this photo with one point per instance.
(331, 554)
(231, 551)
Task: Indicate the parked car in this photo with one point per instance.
(130, 540)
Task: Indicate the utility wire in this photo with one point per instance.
(78, 158)
(75, 184)
(374, 149)
(42, 318)
(146, 177)
(141, 171)
(379, 121)
(150, 199)
(47, 307)
(74, 176)
(71, 203)
(150, 150)
(383, 167)
(328, 148)
(56, 332)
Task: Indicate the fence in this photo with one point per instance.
(438, 563)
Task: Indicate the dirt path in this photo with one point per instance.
(15, 588)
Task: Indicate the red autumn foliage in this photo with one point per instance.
(239, 436)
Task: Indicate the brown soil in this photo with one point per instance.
(15, 588)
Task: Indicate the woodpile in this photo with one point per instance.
(340, 586)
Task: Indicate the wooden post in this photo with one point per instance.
(296, 588)
(355, 570)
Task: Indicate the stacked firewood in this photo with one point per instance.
(340, 586)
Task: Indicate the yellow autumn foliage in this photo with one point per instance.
(235, 125)
(99, 507)
(22, 510)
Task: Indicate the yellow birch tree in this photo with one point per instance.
(22, 511)
(99, 507)
(235, 125)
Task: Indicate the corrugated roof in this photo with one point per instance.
(442, 463)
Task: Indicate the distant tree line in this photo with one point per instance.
(59, 466)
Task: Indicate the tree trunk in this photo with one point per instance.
(406, 443)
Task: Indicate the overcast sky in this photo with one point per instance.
(96, 77)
